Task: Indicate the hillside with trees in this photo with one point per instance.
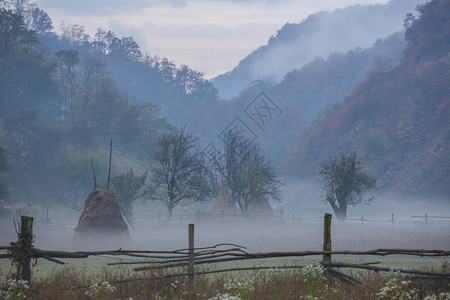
(397, 119)
(59, 109)
(306, 94)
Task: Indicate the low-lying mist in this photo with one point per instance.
(303, 232)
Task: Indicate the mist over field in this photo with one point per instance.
(269, 234)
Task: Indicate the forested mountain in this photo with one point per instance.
(319, 35)
(141, 76)
(397, 119)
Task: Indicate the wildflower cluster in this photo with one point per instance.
(235, 290)
(312, 277)
(309, 297)
(396, 289)
(16, 290)
(174, 285)
(178, 288)
(100, 291)
(442, 296)
(239, 288)
(225, 296)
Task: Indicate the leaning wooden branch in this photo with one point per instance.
(380, 252)
(181, 253)
(168, 260)
(383, 269)
(347, 279)
(242, 256)
(53, 260)
(85, 254)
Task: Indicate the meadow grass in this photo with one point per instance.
(91, 279)
(73, 283)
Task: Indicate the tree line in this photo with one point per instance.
(179, 171)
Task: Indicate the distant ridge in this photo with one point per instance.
(319, 35)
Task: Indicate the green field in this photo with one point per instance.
(97, 264)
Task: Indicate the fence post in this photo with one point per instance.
(362, 219)
(191, 276)
(392, 220)
(25, 244)
(426, 218)
(221, 217)
(327, 237)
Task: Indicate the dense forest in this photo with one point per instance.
(397, 119)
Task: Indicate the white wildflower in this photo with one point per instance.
(225, 296)
(100, 290)
(396, 289)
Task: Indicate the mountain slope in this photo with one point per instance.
(312, 90)
(319, 35)
(398, 120)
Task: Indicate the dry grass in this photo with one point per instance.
(70, 283)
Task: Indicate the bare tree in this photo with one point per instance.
(178, 172)
(345, 183)
(127, 188)
(246, 170)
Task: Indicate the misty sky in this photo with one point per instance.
(207, 35)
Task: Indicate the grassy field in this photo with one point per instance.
(90, 279)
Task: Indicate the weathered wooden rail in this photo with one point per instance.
(22, 251)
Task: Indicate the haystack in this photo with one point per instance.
(101, 221)
(224, 203)
(259, 207)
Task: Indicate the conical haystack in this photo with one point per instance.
(224, 203)
(259, 207)
(101, 221)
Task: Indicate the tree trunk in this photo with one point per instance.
(341, 214)
(244, 209)
(339, 211)
(169, 216)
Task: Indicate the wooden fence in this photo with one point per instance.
(392, 219)
(22, 251)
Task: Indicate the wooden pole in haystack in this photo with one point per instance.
(109, 171)
(93, 171)
(327, 236)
